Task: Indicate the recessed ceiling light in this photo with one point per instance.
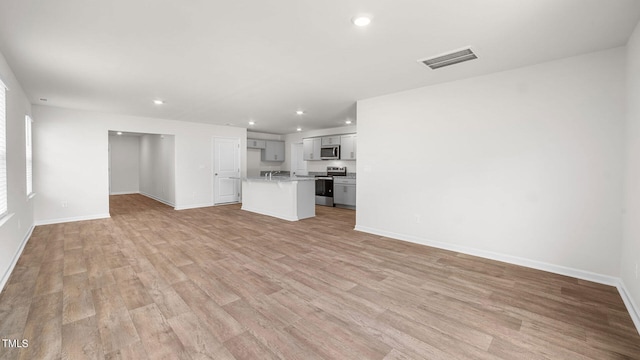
(361, 20)
(299, 112)
(299, 129)
(348, 122)
(158, 102)
(252, 122)
(119, 133)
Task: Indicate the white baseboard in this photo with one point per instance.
(534, 264)
(124, 192)
(194, 206)
(197, 206)
(16, 256)
(158, 199)
(228, 203)
(634, 312)
(72, 219)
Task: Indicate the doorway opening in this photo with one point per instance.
(142, 163)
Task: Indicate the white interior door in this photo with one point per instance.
(226, 170)
(298, 165)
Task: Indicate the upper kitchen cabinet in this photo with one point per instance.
(256, 144)
(331, 140)
(311, 149)
(348, 147)
(273, 151)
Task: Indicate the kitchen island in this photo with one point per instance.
(288, 198)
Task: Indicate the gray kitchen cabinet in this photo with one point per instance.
(348, 147)
(273, 151)
(331, 140)
(256, 144)
(344, 191)
(311, 149)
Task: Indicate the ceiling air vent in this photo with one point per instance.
(449, 59)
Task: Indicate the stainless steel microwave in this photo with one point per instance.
(330, 152)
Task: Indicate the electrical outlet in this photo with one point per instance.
(19, 225)
(418, 218)
(636, 270)
(64, 204)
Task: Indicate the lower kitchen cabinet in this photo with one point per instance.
(344, 191)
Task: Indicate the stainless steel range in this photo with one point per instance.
(324, 185)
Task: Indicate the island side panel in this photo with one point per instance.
(306, 199)
(271, 198)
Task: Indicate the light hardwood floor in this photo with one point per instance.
(221, 283)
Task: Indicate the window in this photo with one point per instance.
(29, 153)
(3, 151)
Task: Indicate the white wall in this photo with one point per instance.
(523, 165)
(631, 230)
(319, 166)
(15, 228)
(157, 167)
(125, 164)
(72, 154)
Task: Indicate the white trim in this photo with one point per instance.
(158, 199)
(193, 206)
(228, 203)
(28, 142)
(534, 264)
(124, 193)
(5, 218)
(4, 153)
(72, 219)
(634, 312)
(16, 257)
(557, 269)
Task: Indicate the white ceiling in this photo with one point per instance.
(228, 62)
